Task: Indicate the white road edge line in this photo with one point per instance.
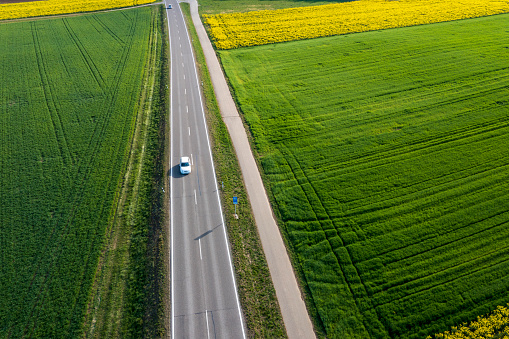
(207, 319)
(217, 190)
(172, 274)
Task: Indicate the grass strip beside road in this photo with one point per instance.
(128, 299)
(257, 295)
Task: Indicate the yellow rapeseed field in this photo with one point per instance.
(263, 27)
(53, 7)
(493, 326)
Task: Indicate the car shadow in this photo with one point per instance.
(174, 172)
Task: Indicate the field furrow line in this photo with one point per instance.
(108, 30)
(111, 92)
(360, 296)
(83, 172)
(445, 232)
(446, 243)
(51, 109)
(363, 120)
(441, 248)
(490, 258)
(50, 101)
(434, 189)
(429, 144)
(86, 57)
(475, 194)
(442, 180)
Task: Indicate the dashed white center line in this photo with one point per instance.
(199, 245)
(195, 200)
(185, 90)
(187, 109)
(182, 64)
(184, 77)
(189, 128)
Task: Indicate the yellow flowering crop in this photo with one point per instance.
(52, 7)
(494, 326)
(263, 27)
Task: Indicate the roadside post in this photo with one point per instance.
(235, 202)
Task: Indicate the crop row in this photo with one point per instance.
(66, 120)
(54, 7)
(233, 30)
(387, 163)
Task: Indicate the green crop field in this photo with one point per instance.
(68, 104)
(386, 155)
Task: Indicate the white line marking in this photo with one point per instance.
(187, 109)
(189, 130)
(182, 64)
(181, 54)
(207, 318)
(172, 274)
(191, 159)
(185, 90)
(195, 200)
(199, 245)
(184, 77)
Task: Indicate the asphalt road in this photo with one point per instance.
(293, 309)
(204, 299)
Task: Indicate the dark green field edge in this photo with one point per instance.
(55, 252)
(229, 6)
(410, 240)
(144, 310)
(256, 292)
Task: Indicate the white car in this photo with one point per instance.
(185, 165)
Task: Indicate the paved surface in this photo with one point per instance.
(204, 296)
(293, 309)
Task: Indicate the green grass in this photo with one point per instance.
(68, 112)
(256, 291)
(386, 157)
(228, 6)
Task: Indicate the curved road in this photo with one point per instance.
(204, 300)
